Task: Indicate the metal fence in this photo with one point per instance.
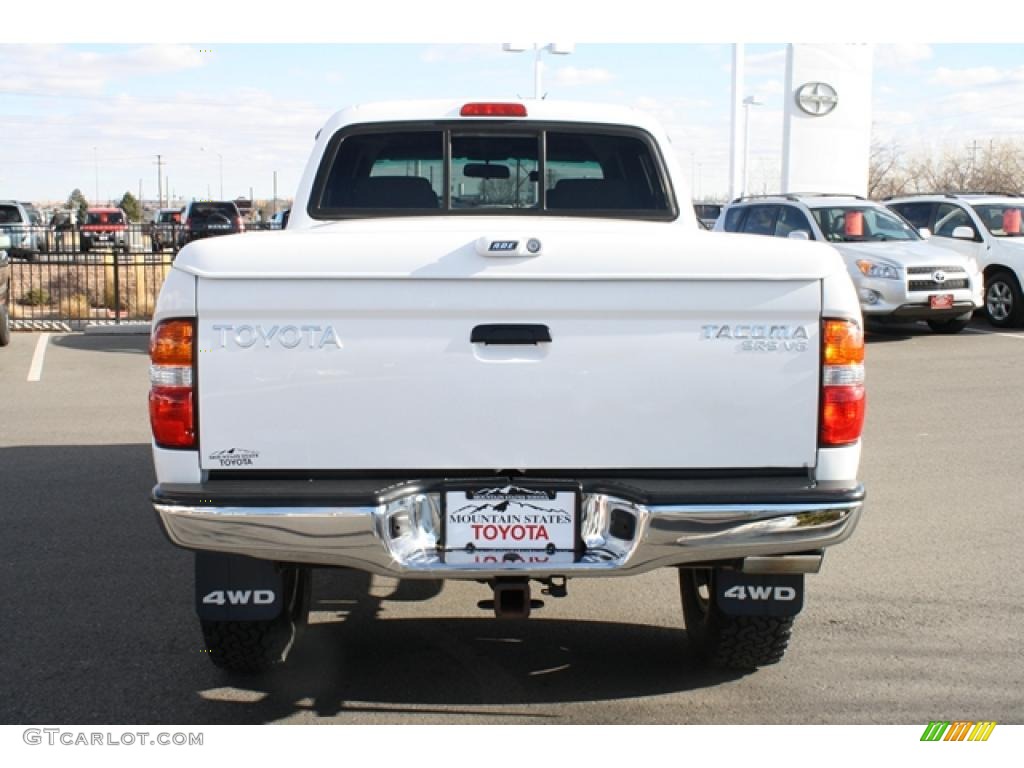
(66, 279)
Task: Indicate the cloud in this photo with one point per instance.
(974, 77)
(569, 77)
(68, 70)
(768, 63)
(461, 54)
(767, 88)
(256, 133)
(901, 55)
(887, 122)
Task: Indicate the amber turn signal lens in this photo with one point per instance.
(844, 343)
(171, 343)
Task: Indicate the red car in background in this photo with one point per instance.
(108, 228)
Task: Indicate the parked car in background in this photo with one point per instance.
(38, 223)
(898, 276)
(280, 219)
(708, 213)
(108, 228)
(208, 218)
(16, 222)
(5, 282)
(164, 231)
(983, 227)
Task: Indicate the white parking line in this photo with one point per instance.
(995, 333)
(35, 371)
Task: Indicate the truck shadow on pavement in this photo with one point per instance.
(100, 626)
(357, 662)
(137, 343)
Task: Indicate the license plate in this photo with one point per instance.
(506, 522)
(941, 301)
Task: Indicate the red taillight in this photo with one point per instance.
(172, 417)
(488, 109)
(171, 394)
(842, 383)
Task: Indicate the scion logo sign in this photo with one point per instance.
(816, 99)
(235, 457)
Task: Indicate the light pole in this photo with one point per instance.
(220, 160)
(559, 49)
(748, 102)
(96, 164)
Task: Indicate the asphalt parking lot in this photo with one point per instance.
(918, 617)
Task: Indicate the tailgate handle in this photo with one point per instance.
(510, 334)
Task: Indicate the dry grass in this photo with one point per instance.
(75, 307)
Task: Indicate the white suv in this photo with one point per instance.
(985, 227)
(898, 276)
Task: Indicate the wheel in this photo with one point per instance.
(1004, 302)
(85, 245)
(734, 642)
(251, 647)
(5, 327)
(955, 325)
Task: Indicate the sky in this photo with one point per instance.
(96, 115)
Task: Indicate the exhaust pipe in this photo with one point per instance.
(511, 598)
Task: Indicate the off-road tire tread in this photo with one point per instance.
(247, 647)
(747, 642)
(731, 642)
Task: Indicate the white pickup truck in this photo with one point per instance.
(492, 344)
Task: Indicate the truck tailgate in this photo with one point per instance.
(381, 372)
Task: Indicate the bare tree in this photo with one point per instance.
(998, 167)
(886, 174)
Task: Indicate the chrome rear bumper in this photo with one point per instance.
(400, 538)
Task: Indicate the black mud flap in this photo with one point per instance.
(237, 588)
(745, 594)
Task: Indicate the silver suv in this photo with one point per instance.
(984, 227)
(17, 221)
(898, 276)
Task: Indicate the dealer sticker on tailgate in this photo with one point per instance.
(510, 519)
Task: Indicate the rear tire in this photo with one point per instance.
(1004, 303)
(252, 647)
(732, 642)
(955, 325)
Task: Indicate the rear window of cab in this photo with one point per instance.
(484, 168)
